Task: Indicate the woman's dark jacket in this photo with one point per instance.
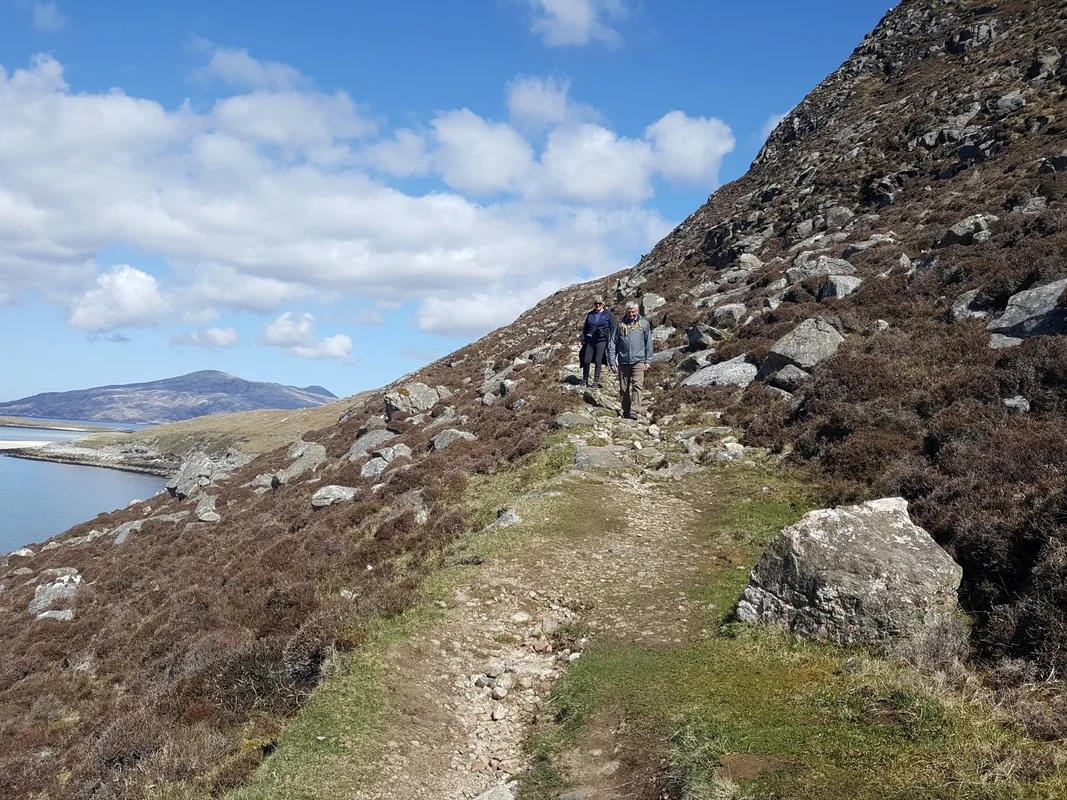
(602, 331)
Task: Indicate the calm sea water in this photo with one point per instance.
(39, 499)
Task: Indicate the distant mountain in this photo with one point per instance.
(171, 400)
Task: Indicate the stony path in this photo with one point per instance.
(466, 689)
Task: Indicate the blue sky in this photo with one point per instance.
(336, 193)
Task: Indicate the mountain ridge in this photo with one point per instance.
(200, 393)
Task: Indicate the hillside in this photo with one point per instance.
(170, 400)
(878, 301)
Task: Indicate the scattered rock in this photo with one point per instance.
(650, 302)
(309, 457)
(838, 286)
(999, 342)
(810, 343)
(373, 468)
(854, 575)
(569, 419)
(332, 495)
(448, 437)
(123, 531)
(587, 457)
(205, 509)
(789, 378)
(729, 315)
(498, 793)
(391, 454)
(1017, 404)
(702, 337)
(963, 307)
(1035, 312)
(411, 398)
(505, 518)
(735, 372)
(54, 586)
(973, 230)
(368, 442)
(197, 471)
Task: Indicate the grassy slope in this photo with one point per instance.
(810, 721)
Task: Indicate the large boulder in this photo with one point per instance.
(308, 456)
(650, 302)
(838, 286)
(55, 587)
(411, 398)
(806, 265)
(735, 372)
(197, 471)
(369, 442)
(809, 343)
(589, 457)
(1035, 312)
(854, 575)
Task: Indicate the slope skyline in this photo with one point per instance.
(230, 198)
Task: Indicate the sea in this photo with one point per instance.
(39, 499)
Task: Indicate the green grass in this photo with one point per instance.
(826, 723)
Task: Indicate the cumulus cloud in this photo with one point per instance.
(237, 68)
(419, 354)
(112, 338)
(210, 337)
(478, 313)
(688, 149)
(295, 334)
(560, 23)
(47, 16)
(266, 198)
(480, 156)
(540, 103)
(125, 298)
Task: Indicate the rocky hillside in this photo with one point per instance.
(880, 297)
(197, 394)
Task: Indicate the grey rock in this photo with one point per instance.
(498, 793)
(1056, 163)
(198, 470)
(747, 262)
(309, 456)
(448, 437)
(735, 372)
(789, 378)
(650, 302)
(332, 495)
(540, 355)
(665, 356)
(963, 307)
(261, 481)
(701, 337)
(838, 286)
(973, 230)
(1035, 312)
(411, 398)
(587, 457)
(999, 342)
(838, 217)
(506, 518)
(810, 343)
(368, 442)
(696, 361)
(729, 315)
(812, 268)
(569, 419)
(373, 468)
(676, 471)
(391, 454)
(488, 400)
(854, 575)
(1029, 204)
(126, 529)
(59, 616)
(54, 586)
(1017, 404)
(507, 386)
(205, 509)
(863, 247)
(662, 334)
(602, 399)
(1009, 103)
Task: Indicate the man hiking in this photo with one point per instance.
(597, 331)
(630, 354)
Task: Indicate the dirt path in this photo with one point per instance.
(465, 690)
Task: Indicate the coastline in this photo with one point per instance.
(43, 425)
(83, 457)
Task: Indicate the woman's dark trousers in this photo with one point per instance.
(593, 353)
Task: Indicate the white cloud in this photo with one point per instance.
(688, 149)
(126, 298)
(295, 333)
(47, 16)
(772, 122)
(257, 216)
(405, 154)
(540, 103)
(211, 337)
(478, 313)
(238, 68)
(419, 354)
(577, 22)
(480, 156)
(591, 164)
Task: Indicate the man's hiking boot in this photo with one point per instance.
(584, 384)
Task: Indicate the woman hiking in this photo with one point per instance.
(597, 331)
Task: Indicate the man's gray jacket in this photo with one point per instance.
(631, 344)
